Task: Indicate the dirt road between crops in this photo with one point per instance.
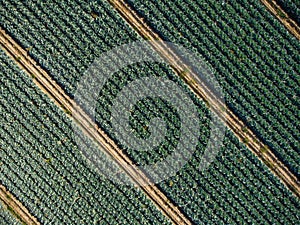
(200, 89)
(290, 24)
(16, 208)
(55, 92)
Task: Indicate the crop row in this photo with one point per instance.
(254, 59)
(292, 8)
(241, 97)
(70, 34)
(43, 168)
(236, 186)
(6, 217)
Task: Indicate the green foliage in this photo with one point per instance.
(255, 60)
(43, 167)
(8, 216)
(245, 51)
(292, 8)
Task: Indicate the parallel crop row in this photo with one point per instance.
(7, 217)
(64, 38)
(42, 166)
(292, 8)
(54, 31)
(236, 188)
(255, 59)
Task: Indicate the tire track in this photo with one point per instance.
(244, 134)
(16, 207)
(283, 17)
(55, 92)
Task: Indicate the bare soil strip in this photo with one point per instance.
(199, 88)
(16, 208)
(55, 92)
(283, 17)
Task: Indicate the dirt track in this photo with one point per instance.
(18, 209)
(54, 91)
(43, 80)
(286, 20)
(199, 88)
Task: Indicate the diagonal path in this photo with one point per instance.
(200, 89)
(55, 92)
(291, 25)
(18, 209)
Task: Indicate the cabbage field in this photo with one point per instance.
(252, 69)
(292, 8)
(42, 166)
(256, 61)
(7, 217)
(253, 57)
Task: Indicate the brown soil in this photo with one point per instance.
(200, 89)
(16, 208)
(55, 92)
(283, 17)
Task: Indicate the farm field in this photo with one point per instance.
(254, 59)
(239, 67)
(189, 180)
(292, 8)
(6, 217)
(65, 37)
(42, 166)
(190, 188)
